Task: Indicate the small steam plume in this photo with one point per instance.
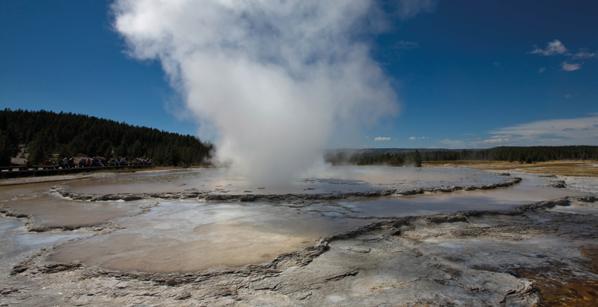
(275, 79)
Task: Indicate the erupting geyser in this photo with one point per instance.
(274, 79)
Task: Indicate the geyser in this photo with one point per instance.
(274, 79)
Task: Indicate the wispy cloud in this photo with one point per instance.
(541, 70)
(571, 131)
(382, 139)
(411, 8)
(552, 132)
(570, 66)
(495, 140)
(417, 138)
(584, 55)
(406, 45)
(453, 143)
(554, 47)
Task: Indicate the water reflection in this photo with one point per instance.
(194, 235)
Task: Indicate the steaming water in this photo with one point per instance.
(191, 235)
(327, 180)
(295, 73)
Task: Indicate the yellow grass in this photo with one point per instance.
(588, 168)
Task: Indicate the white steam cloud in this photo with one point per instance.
(274, 79)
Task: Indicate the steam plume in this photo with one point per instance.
(274, 79)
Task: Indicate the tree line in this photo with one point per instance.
(521, 154)
(45, 134)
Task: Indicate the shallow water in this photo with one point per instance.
(532, 188)
(44, 209)
(193, 235)
(340, 179)
(16, 242)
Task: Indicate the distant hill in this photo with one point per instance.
(43, 134)
(401, 156)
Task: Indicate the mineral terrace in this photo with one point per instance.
(363, 236)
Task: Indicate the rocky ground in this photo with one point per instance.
(543, 253)
(507, 250)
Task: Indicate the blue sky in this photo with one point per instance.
(468, 73)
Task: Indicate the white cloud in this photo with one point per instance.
(552, 48)
(541, 70)
(556, 47)
(417, 138)
(572, 131)
(570, 66)
(382, 138)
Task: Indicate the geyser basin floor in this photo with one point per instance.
(183, 236)
(186, 236)
(341, 179)
(158, 251)
(531, 189)
(44, 210)
(517, 258)
(17, 243)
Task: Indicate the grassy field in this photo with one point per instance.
(588, 168)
